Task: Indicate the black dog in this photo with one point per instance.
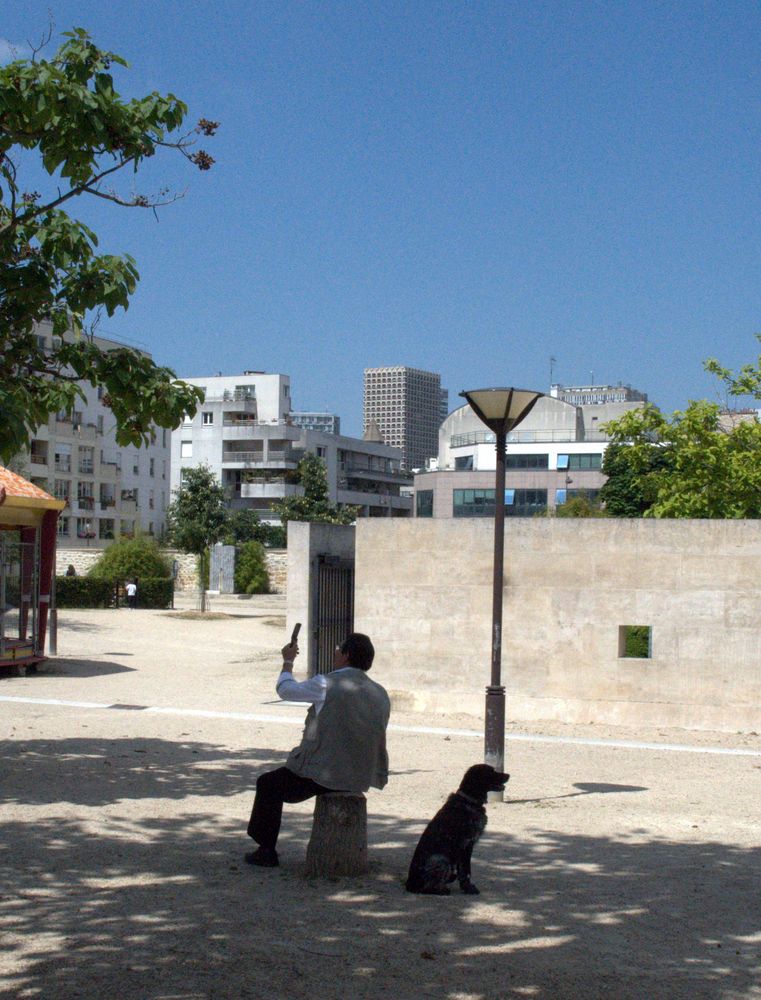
(443, 852)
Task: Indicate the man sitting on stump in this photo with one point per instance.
(343, 747)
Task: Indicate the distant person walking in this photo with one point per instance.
(131, 588)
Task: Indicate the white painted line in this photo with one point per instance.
(54, 701)
(292, 720)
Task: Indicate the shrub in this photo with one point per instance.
(154, 592)
(83, 592)
(131, 557)
(251, 575)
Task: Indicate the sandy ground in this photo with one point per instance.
(612, 872)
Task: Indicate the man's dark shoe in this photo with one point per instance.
(265, 857)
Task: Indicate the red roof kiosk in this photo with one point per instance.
(28, 532)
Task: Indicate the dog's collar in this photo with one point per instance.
(469, 798)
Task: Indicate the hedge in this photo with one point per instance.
(90, 592)
(83, 592)
(154, 592)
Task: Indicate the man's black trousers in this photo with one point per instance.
(273, 788)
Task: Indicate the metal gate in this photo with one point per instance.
(332, 611)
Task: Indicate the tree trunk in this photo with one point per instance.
(338, 845)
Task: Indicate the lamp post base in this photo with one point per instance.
(494, 734)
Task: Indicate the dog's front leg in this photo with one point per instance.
(463, 870)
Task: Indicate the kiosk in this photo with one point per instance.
(28, 532)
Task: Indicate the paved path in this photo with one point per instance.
(625, 865)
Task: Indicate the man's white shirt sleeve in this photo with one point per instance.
(313, 690)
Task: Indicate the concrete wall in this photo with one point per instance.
(423, 593)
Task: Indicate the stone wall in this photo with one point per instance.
(187, 572)
(423, 592)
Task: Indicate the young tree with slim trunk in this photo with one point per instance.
(314, 504)
(197, 518)
(67, 111)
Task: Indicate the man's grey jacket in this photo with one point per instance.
(344, 744)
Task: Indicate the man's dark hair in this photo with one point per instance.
(359, 649)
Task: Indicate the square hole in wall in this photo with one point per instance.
(635, 642)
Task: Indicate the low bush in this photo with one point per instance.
(251, 575)
(154, 592)
(83, 592)
(131, 557)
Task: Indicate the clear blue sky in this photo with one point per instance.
(469, 188)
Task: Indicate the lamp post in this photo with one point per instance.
(501, 410)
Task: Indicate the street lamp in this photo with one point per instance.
(501, 410)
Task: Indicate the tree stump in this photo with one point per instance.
(338, 844)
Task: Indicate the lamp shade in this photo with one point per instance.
(501, 409)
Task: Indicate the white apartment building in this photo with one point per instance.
(244, 433)
(406, 405)
(554, 455)
(110, 490)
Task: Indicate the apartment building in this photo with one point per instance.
(554, 455)
(244, 432)
(110, 490)
(406, 405)
(312, 420)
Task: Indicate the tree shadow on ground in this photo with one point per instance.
(96, 772)
(161, 905)
(69, 666)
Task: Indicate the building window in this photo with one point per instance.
(525, 503)
(473, 503)
(463, 463)
(526, 461)
(86, 460)
(207, 417)
(560, 497)
(62, 489)
(635, 642)
(63, 527)
(562, 462)
(186, 449)
(424, 503)
(589, 461)
(152, 467)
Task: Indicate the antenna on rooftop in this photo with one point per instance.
(553, 362)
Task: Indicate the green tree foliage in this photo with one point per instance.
(67, 111)
(197, 517)
(580, 506)
(129, 558)
(629, 490)
(745, 382)
(689, 465)
(315, 504)
(244, 526)
(251, 576)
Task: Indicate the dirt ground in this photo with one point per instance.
(128, 766)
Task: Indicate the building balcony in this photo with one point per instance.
(109, 472)
(62, 465)
(256, 460)
(86, 503)
(384, 475)
(128, 507)
(39, 458)
(269, 491)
